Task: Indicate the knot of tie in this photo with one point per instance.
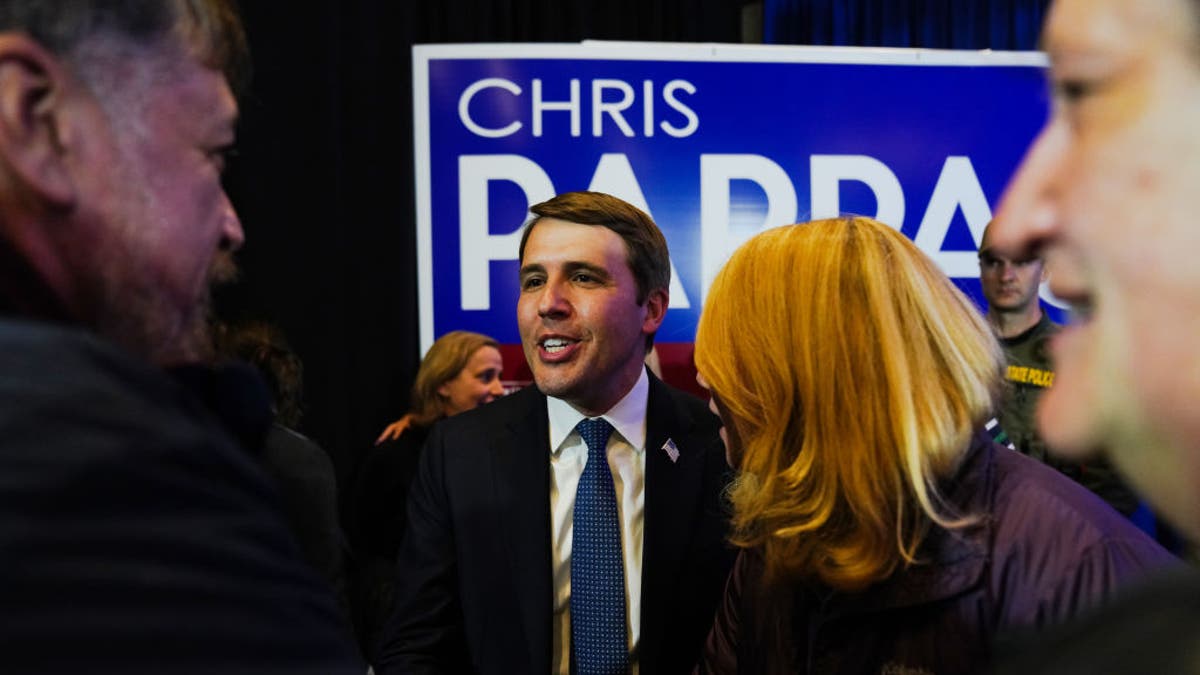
(597, 567)
(595, 433)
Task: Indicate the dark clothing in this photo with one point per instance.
(307, 483)
(24, 293)
(1098, 475)
(474, 589)
(137, 536)
(1044, 550)
(1029, 372)
(379, 500)
(381, 493)
(1151, 628)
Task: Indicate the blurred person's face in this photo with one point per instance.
(1107, 196)
(149, 183)
(477, 383)
(582, 329)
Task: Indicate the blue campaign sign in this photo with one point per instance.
(715, 142)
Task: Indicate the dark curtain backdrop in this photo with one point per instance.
(324, 178)
(934, 24)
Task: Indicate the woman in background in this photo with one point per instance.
(461, 371)
(881, 530)
(301, 469)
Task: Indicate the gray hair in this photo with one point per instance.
(212, 28)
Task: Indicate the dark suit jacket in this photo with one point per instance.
(474, 589)
(137, 536)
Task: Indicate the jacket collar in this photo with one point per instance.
(628, 416)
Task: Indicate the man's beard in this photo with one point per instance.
(223, 270)
(136, 314)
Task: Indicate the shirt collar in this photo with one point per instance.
(628, 416)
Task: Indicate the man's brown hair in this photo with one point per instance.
(648, 258)
(646, 248)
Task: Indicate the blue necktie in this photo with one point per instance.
(597, 568)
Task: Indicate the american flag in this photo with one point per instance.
(672, 450)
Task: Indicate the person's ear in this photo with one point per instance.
(32, 121)
(656, 310)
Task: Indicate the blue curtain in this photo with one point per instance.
(933, 24)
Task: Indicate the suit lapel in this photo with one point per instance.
(521, 483)
(672, 494)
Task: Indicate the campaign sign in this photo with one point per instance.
(715, 142)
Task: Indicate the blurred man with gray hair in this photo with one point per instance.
(138, 535)
(1107, 197)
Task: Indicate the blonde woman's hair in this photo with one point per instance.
(442, 363)
(854, 373)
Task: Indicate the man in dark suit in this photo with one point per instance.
(522, 555)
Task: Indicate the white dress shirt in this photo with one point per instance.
(627, 460)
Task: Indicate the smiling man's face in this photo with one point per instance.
(1107, 197)
(582, 328)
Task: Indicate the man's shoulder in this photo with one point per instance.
(112, 462)
(515, 409)
(62, 387)
(1049, 324)
(683, 397)
(1153, 627)
(1046, 328)
(527, 399)
(33, 344)
(46, 365)
(1032, 338)
(689, 407)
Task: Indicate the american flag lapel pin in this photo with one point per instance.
(672, 450)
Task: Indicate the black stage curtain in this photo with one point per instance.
(323, 181)
(934, 24)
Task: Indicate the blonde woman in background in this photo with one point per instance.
(881, 530)
(460, 372)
